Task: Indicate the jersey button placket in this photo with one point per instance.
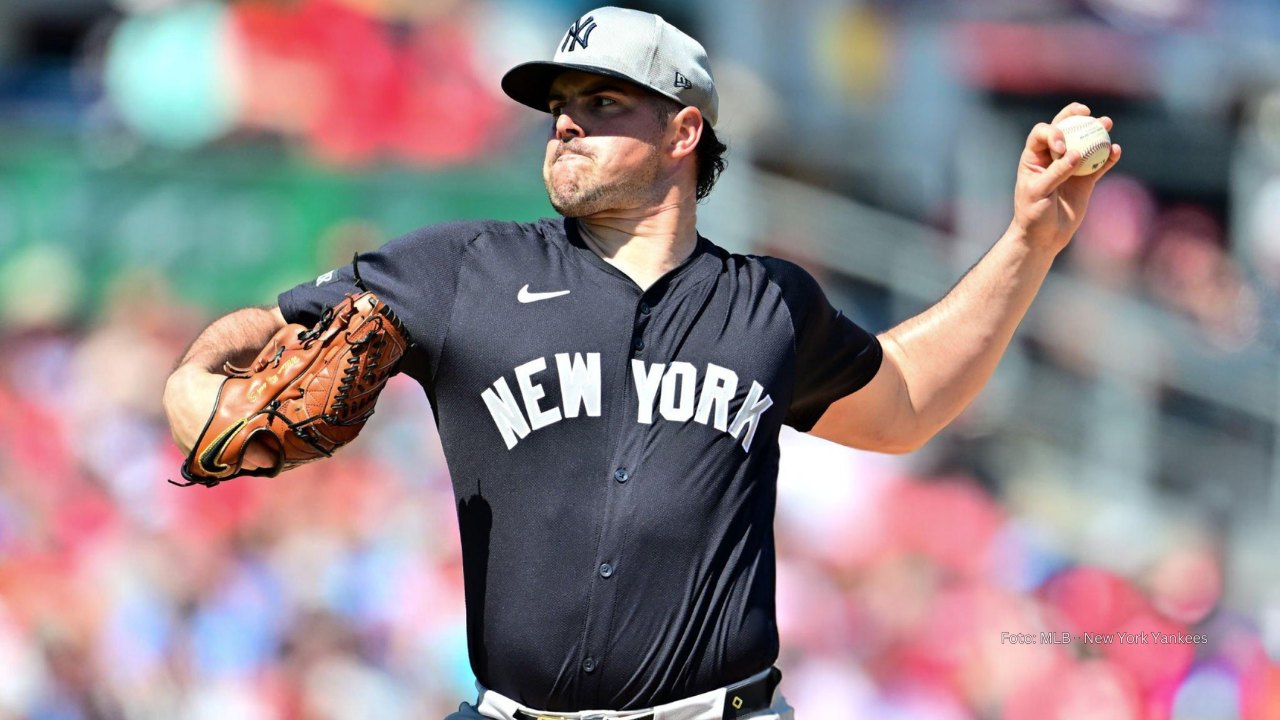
(643, 310)
(609, 548)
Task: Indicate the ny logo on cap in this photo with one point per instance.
(578, 35)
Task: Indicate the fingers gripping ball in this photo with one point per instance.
(1087, 136)
(308, 393)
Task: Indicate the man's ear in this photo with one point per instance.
(684, 130)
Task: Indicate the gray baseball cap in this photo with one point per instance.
(628, 44)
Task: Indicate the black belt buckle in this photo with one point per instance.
(751, 696)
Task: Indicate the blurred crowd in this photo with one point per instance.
(1176, 254)
(347, 82)
(334, 591)
(902, 596)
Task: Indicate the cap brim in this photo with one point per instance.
(530, 83)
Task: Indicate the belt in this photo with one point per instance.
(740, 700)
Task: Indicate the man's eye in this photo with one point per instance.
(604, 101)
(556, 110)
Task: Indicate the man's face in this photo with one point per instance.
(603, 152)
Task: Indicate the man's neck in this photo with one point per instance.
(644, 244)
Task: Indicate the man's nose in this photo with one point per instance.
(566, 129)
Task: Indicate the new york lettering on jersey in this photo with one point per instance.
(674, 392)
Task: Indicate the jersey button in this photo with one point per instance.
(606, 570)
(644, 308)
(638, 344)
(621, 475)
(589, 664)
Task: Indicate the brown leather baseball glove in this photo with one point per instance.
(308, 393)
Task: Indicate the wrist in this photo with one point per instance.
(1035, 248)
(181, 381)
(188, 370)
(190, 394)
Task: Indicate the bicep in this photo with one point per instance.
(878, 416)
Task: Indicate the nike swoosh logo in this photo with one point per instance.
(209, 458)
(525, 296)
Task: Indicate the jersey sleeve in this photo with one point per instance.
(834, 355)
(415, 274)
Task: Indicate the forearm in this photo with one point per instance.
(935, 363)
(947, 353)
(236, 338)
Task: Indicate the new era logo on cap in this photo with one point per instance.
(636, 46)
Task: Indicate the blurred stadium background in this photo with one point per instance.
(164, 161)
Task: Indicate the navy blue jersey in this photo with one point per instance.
(613, 450)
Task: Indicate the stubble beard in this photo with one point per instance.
(584, 193)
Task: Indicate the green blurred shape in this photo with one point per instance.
(39, 287)
(232, 226)
(169, 74)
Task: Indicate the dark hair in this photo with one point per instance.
(709, 154)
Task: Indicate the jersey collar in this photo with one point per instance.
(701, 262)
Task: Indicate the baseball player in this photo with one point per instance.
(609, 387)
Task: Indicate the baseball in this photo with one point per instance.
(1087, 136)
